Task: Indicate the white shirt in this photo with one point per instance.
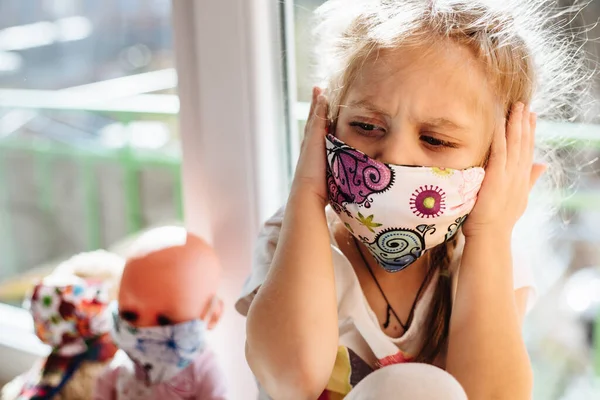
(363, 345)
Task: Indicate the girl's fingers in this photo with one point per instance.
(525, 135)
(320, 117)
(498, 148)
(311, 113)
(317, 128)
(315, 94)
(536, 171)
(530, 149)
(514, 133)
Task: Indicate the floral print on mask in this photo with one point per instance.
(66, 317)
(398, 248)
(352, 177)
(399, 200)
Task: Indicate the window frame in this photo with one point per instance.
(250, 112)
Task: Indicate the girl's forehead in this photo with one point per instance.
(447, 84)
(452, 65)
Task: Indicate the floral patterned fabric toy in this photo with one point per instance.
(70, 313)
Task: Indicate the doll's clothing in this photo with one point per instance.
(51, 376)
(201, 380)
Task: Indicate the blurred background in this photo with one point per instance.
(90, 154)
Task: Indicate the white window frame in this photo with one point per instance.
(233, 124)
(19, 347)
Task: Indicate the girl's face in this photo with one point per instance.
(423, 107)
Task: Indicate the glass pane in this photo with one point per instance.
(89, 149)
(303, 10)
(563, 330)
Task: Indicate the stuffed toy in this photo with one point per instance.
(70, 310)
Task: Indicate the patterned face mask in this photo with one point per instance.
(69, 317)
(159, 352)
(398, 212)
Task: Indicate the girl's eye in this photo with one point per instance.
(433, 142)
(365, 128)
(162, 320)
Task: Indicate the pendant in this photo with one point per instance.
(386, 324)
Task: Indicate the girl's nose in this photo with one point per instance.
(399, 147)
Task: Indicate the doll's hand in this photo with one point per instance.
(310, 170)
(510, 176)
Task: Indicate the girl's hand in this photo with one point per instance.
(310, 170)
(510, 176)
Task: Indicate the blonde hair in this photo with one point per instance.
(522, 44)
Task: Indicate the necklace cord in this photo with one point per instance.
(389, 306)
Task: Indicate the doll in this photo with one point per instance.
(166, 304)
(70, 313)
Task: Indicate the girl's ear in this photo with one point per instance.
(213, 312)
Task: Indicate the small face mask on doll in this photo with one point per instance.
(398, 212)
(159, 352)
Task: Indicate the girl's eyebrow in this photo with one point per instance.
(443, 123)
(367, 105)
(436, 122)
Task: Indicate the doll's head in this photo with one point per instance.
(166, 302)
(171, 276)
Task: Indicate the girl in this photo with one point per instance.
(426, 118)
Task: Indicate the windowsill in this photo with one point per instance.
(19, 346)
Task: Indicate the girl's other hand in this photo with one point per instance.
(310, 170)
(510, 176)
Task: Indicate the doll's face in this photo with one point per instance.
(169, 286)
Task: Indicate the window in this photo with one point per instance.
(302, 12)
(107, 102)
(89, 144)
(233, 113)
(560, 329)
(89, 141)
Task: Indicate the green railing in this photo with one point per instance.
(45, 153)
